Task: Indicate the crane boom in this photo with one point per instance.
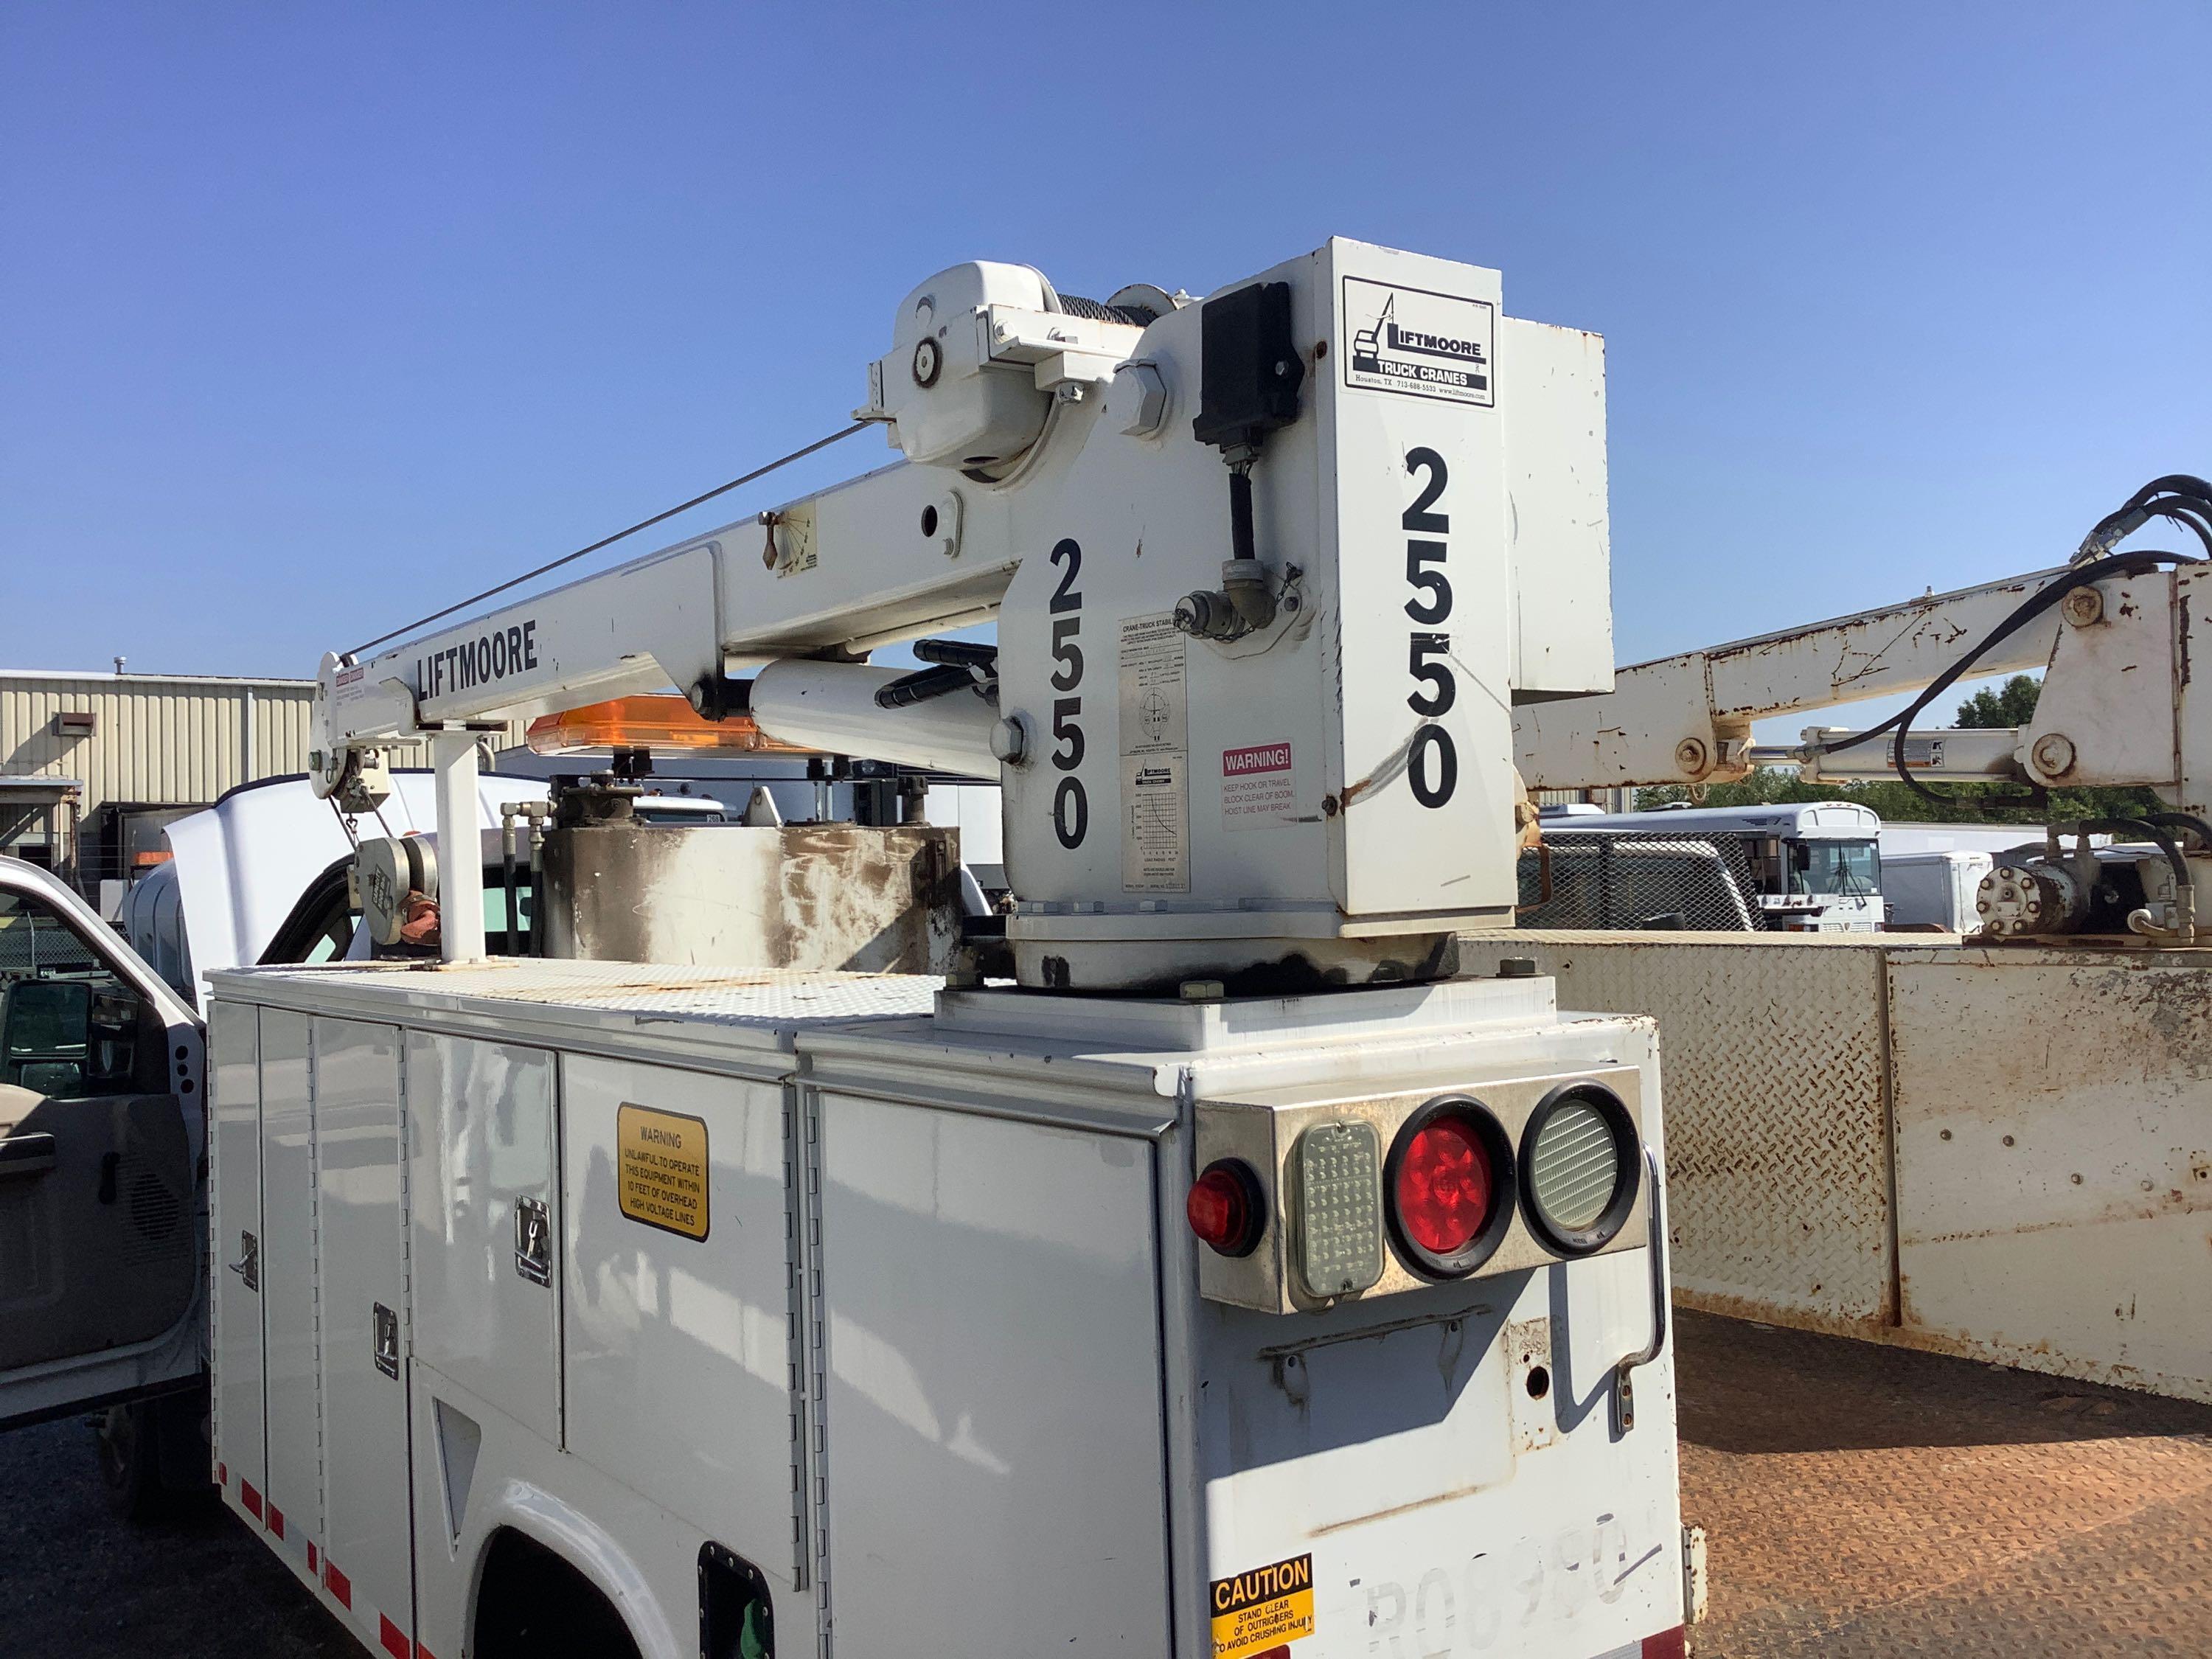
(1687, 718)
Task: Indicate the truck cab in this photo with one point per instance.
(103, 1221)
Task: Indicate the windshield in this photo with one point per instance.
(1841, 869)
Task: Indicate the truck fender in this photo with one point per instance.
(591, 1551)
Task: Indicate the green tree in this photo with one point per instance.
(2012, 703)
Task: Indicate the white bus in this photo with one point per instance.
(1817, 864)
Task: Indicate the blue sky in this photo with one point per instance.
(317, 317)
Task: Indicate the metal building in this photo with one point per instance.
(91, 765)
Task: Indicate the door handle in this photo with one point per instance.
(248, 1265)
(1623, 1392)
(26, 1155)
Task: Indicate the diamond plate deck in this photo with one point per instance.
(1862, 1501)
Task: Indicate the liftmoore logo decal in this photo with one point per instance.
(1428, 345)
(480, 661)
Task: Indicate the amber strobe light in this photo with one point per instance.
(1450, 1169)
(1579, 1168)
(659, 721)
(1225, 1207)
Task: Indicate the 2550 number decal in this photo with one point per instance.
(1431, 763)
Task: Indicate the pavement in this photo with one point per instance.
(76, 1583)
(1859, 1500)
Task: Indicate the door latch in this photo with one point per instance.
(1624, 1389)
(386, 1338)
(533, 1241)
(248, 1265)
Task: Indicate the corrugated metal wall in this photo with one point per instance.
(158, 741)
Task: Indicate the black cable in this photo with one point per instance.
(2188, 821)
(2190, 517)
(2115, 564)
(2149, 831)
(608, 541)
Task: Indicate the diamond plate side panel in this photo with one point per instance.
(1774, 1057)
(2054, 1161)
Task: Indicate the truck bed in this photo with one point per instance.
(1862, 1500)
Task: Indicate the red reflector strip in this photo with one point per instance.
(314, 1560)
(276, 1520)
(251, 1498)
(1667, 1645)
(394, 1639)
(223, 1474)
(339, 1585)
(421, 1652)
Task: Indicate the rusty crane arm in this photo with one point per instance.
(1687, 718)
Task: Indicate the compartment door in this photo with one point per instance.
(361, 1215)
(235, 1098)
(291, 1511)
(993, 1419)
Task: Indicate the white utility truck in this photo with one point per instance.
(1202, 1267)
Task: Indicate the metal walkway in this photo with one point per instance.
(1863, 1500)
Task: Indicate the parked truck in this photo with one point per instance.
(1198, 1265)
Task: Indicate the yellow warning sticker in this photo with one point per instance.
(660, 1159)
(1264, 1608)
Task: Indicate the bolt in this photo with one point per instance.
(2078, 1180)
(2008, 1140)
(1691, 755)
(2053, 754)
(1947, 1134)
(1010, 740)
(2082, 606)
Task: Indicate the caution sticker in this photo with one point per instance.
(660, 1161)
(1264, 1608)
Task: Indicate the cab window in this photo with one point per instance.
(69, 1026)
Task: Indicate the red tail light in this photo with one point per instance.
(1445, 1187)
(1225, 1208)
(1449, 1174)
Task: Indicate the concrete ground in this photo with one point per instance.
(1861, 1501)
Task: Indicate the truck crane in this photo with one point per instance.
(1997, 1145)
(1226, 1274)
(2115, 633)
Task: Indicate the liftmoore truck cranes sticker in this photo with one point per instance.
(1425, 344)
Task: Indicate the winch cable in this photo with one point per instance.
(608, 541)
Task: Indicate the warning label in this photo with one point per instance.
(1155, 757)
(1264, 1608)
(1257, 790)
(660, 1161)
(1425, 344)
